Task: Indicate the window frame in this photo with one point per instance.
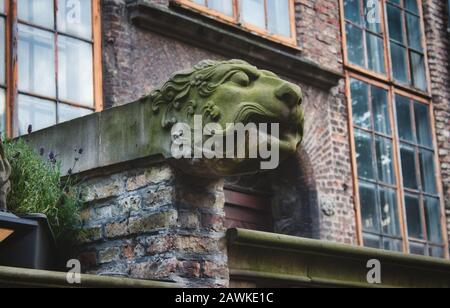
(11, 45)
(388, 76)
(401, 191)
(235, 20)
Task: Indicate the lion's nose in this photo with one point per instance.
(289, 94)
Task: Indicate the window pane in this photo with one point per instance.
(2, 51)
(427, 171)
(67, 113)
(36, 61)
(413, 216)
(437, 252)
(253, 12)
(417, 249)
(2, 111)
(75, 76)
(353, 11)
(389, 212)
(385, 163)
(372, 241)
(369, 208)
(399, 66)
(404, 123)
(423, 126)
(408, 155)
(414, 32)
(38, 12)
(433, 219)
(355, 49)
(375, 53)
(279, 17)
(395, 23)
(380, 110)
(393, 245)
(360, 104)
(2, 6)
(373, 15)
(412, 6)
(418, 71)
(75, 17)
(364, 155)
(35, 112)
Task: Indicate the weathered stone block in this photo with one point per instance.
(152, 222)
(109, 255)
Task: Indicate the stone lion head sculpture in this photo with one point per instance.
(224, 93)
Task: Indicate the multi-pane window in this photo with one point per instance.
(399, 200)
(369, 23)
(271, 18)
(364, 35)
(394, 156)
(405, 36)
(422, 204)
(375, 165)
(57, 64)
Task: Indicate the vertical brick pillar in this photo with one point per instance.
(155, 223)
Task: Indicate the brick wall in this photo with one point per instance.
(137, 61)
(438, 46)
(152, 223)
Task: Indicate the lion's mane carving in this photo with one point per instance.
(230, 92)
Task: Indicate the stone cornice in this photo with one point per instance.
(305, 262)
(231, 41)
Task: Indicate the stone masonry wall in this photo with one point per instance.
(152, 223)
(438, 46)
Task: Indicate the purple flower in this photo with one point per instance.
(80, 151)
(30, 129)
(51, 155)
(41, 151)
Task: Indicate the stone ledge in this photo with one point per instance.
(230, 40)
(304, 262)
(18, 277)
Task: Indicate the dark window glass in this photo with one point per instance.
(369, 208)
(409, 172)
(389, 212)
(417, 249)
(427, 171)
(412, 6)
(393, 245)
(399, 66)
(433, 219)
(414, 33)
(364, 155)
(360, 104)
(413, 216)
(404, 123)
(375, 53)
(395, 23)
(352, 10)
(385, 162)
(372, 241)
(418, 71)
(437, 252)
(355, 49)
(380, 110)
(423, 126)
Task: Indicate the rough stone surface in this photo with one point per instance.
(149, 230)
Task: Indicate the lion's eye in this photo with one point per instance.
(241, 79)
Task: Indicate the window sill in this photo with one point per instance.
(230, 41)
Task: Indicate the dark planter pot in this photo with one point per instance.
(32, 245)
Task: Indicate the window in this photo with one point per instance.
(271, 18)
(385, 38)
(400, 207)
(57, 75)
